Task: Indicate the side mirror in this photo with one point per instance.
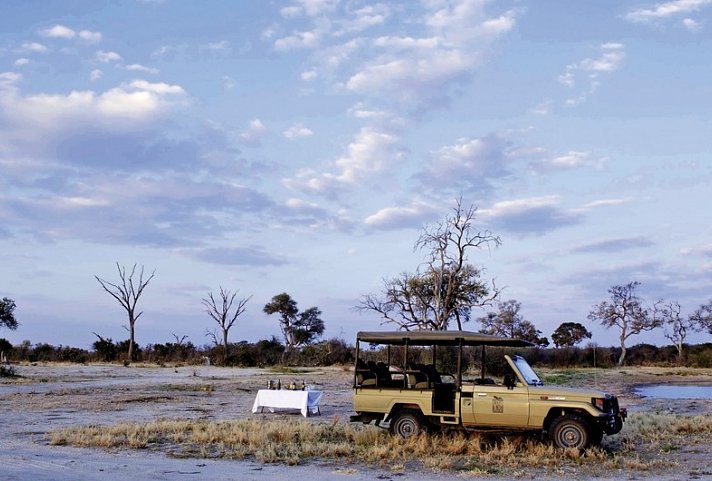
(510, 381)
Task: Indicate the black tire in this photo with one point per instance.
(596, 436)
(571, 431)
(406, 424)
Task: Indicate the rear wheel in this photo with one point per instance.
(406, 424)
(571, 431)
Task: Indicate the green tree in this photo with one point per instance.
(127, 292)
(225, 312)
(448, 286)
(508, 322)
(7, 313)
(298, 328)
(703, 317)
(625, 311)
(568, 334)
(105, 348)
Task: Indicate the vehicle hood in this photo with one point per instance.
(565, 392)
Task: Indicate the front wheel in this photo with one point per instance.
(570, 431)
(406, 424)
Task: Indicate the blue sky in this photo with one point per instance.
(299, 146)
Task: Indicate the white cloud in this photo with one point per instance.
(21, 61)
(363, 18)
(371, 153)
(129, 106)
(297, 131)
(703, 250)
(58, 31)
(666, 9)
(34, 47)
(254, 133)
(310, 8)
(89, 36)
(61, 31)
(222, 46)
(589, 70)
(107, 57)
(309, 75)
(298, 40)
(229, 83)
(534, 215)
(399, 217)
(419, 70)
(157, 87)
(95, 75)
(135, 67)
(470, 163)
(691, 25)
(571, 160)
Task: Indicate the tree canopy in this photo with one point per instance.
(568, 334)
(298, 328)
(508, 322)
(7, 313)
(625, 311)
(446, 288)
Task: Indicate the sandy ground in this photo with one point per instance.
(49, 397)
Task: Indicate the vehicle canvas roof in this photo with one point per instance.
(439, 338)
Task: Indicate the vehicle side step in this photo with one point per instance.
(449, 420)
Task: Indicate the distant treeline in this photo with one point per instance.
(268, 352)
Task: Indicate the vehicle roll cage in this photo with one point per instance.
(434, 339)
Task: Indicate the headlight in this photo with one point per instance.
(599, 403)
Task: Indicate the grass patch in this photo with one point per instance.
(643, 445)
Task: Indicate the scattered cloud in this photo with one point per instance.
(107, 57)
(371, 153)
(665, 10)
(89, 36)
(236, 256)
(297, 131)
(135, 67)
(64, 32)
(297, 40)
(400, 217)
(95, 75)
(310, 8)
(34, 47)
(610, 246)
(584, 76)
(469, 164)
(21, 61)
(535, 215)
(58, 31)
(691, 25)
(252, 137)
(222, 46)
(703, 250)
(569, 161)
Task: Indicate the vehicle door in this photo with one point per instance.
(500, 405)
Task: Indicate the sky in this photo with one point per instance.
(300, 146)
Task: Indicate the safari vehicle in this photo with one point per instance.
(410, 397)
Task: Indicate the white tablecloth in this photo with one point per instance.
(306, 401)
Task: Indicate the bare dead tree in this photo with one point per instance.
(127, 292)
(225, 312)
(677, 327)
(447, 286)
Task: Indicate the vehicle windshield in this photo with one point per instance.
(529, 375)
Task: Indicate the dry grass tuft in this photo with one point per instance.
(642, 446)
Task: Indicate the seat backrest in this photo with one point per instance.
(432, 374)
